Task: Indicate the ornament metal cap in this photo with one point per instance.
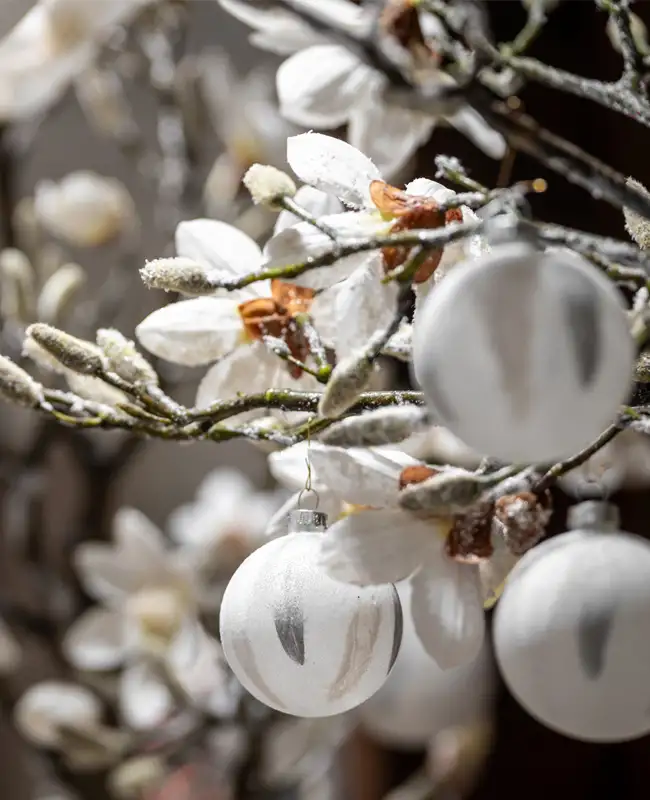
(304, 520)
(594, 515)
(508, 228)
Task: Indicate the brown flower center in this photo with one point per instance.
(417, 474)
(412, 212)
(470, 538)
(275, 316)
(400, 19)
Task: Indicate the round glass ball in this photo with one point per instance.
(524, 355)
(419, 699)
(572, 635)
(301, 642)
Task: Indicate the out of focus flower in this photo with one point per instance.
(222, 526)
(230, 327)
(244, 114)
(362, 302)
(54, 42)
(67, 718)
(84, 209)
(324, 85)
(146, 623)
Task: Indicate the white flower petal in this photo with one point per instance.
(103, 573)
(362, 306)
(289, 466)
(387, 134)
(95, 641)
(144, 699)
(318, 87)
(47, 705)
(319, 204)
(447, 611)
(139, 542)
(219, 246)
(192, 332)
(301, 242)
(284, 32)
(323, 315)
(333, 166)
(359, 475)
(471, 123)
(425, 187)
(368, 547)
(248, 369)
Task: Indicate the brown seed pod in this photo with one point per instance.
(470, 538)
(523, 518)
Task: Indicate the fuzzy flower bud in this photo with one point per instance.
(523, 519)
(449, 492)
(124, 359)
(137, 776)
(58, 292)
(180, 275)
(75, 354)
(637, 226)
(349, 378)
(380, 426)
(637, 29)
(18, 386)
(268, 185)
(103, 101)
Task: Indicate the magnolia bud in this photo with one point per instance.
(103, 101)
(268, 185)
(31, 349)
(124, 359)
(134, 778)
(380, 426)
(75, 354)
(637, 226)
(18, 386)
(84, 209)
(448, 492)
(58, 291)
(180, 275)
(637, 29)
(349, 378)
(17, 285)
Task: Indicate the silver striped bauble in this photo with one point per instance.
(301, 642)
(524, 355)
(572, 635)
(419, 699)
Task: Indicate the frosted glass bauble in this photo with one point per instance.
(301, 642)
(572, 635)
(419, 699)
(525, 356)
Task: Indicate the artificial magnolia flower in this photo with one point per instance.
(222, 526)
(50, 46)
(84, 209)
(379, 542)
(362, 302)
(147, 617)
(324, 85)
(67, 718)
(229, 327)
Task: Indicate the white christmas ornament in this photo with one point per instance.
(419, 699)
(572, 630)
(524, 355)
(299, 641)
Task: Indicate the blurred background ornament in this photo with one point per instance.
(524, 355)
(572, 630)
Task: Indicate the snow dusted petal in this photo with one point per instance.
(103, 573)
(363, 305)
(297, 244)
(318, 87)
(333, 166)
(144, 700)
(471, 123)
(45, 706)
(223, 248)
(248, 369)
(95, 641)
(363, 476)
(374, 546)
(192, 332)
(387, 134)
(319, 204)
(425, 187)
(447, 610)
